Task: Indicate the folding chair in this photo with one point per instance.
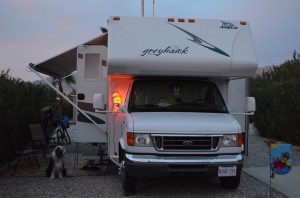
(28, 151)
(39, 139)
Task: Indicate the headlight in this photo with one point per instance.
(142, 140)
(232, 140)
(136, 139)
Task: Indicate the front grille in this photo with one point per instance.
(185, 143)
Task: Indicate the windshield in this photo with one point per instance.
(175, 95)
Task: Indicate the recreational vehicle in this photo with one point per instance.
(168, 96)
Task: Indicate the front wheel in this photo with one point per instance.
(230, 182)
(129, 183)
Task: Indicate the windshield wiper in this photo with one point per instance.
(145, 106)
(199, 107)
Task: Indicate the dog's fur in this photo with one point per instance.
(56, 167)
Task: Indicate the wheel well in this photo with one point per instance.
(121, 153)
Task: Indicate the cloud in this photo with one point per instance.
(26, 8)
(18, 53)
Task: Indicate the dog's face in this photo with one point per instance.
(60, 151)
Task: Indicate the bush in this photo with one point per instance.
(20, 103)
(277, 93)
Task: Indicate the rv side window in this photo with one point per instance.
(92, 70)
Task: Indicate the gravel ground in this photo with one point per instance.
(110, 186)
(109, 183)
(259, 152)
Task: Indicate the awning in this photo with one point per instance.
(64, 64)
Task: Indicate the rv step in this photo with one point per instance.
(115, 159)
(98, 162)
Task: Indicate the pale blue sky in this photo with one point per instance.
(35, 30)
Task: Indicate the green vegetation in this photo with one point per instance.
(277, 94)
(20, 104)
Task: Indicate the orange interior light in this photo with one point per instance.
(130, 139)
(117, 100)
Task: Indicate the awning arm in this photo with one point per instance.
(30, 66)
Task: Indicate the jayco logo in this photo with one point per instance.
(167, 50)
(227, 25)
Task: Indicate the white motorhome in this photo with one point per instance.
(169, 96)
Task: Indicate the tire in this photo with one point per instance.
(65, 136)
(230, 182)
(58, 136)
(129, 183)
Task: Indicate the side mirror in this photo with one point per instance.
(98, 101)
(250, 105)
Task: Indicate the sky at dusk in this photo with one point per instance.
(36, 30)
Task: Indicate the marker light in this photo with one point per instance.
(243, 23)
(117, 101)
(171, 19)
(192, 20)
(240, 141)
(116, 18)
(181, 20)
(130, 139)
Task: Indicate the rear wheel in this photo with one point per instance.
(230, 182)
(58, 135)
(63, 136)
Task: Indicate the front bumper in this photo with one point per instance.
(158, 166)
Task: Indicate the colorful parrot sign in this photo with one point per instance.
(280, 159)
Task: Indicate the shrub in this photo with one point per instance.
(277, 93)
(20, 103)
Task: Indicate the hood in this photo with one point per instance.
(184, 122)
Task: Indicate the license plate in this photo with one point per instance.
(227, 171)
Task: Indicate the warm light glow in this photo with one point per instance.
(117, 101)
(118, 89)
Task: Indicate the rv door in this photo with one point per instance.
(91, 79)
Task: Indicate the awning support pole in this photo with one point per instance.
(30, 66)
